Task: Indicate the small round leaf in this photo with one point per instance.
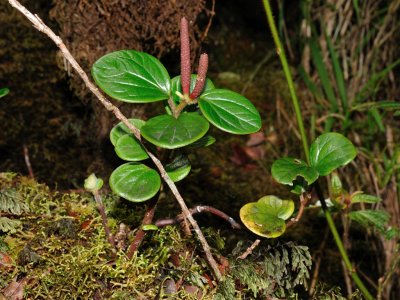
(286, 170)
(128, 148)
(168, 132)
(135, 182)
(179, 168)
(132, 76)
(120, 129)
(331, 151)
(267, 216)
(229, 111)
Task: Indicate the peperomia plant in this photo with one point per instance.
(327, 153)
(191, 103)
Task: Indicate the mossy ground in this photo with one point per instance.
(59, 251)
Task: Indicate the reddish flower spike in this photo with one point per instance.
(201, 76)
(185, 57)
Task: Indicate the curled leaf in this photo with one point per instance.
(267, 216)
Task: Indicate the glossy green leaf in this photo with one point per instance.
(286, 170)
(176, 86)
(135, 182)
(168, 132)
(120, 129)
(129, 148)
(179, 168)
(230, 111)
(267, 216)
(4, 92)
(364, 198)
(132, 76)
(205, 141)
(331, 151)
(367, 218)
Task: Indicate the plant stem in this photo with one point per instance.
(104, 219)
(340, 245)
(281, 53)
(147, 219)
(296, 106)
(197, 210)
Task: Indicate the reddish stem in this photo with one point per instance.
(201, 76)
(185, 57)
(197, 210)
(140, 234)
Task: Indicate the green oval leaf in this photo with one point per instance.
(359, 197)
(267, 216)
(286, 170)
(168, 132)
(230, 111)
(179, 168)
(331, 151)
(135, 182)
(368, 218)
(176, 86)
(129, 148)
(4, 92)
(120, 129)
(132, 76)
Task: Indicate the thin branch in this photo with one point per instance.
(104, 219)
(28, 162)
(249, 250)
(197, 210)
(41, 26)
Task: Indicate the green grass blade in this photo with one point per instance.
(385, 105)
(323, 74)
(338, 73)
(357, 10)
(376, 116)
(315, 90)
(373, 82)
(325, 81)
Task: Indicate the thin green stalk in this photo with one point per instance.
(295, 101)
(340, 245)
(281, 53)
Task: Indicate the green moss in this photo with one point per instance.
(61, 247)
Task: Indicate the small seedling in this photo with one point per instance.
(327, 153)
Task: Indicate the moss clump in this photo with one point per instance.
(60, 252)
(61, 248)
